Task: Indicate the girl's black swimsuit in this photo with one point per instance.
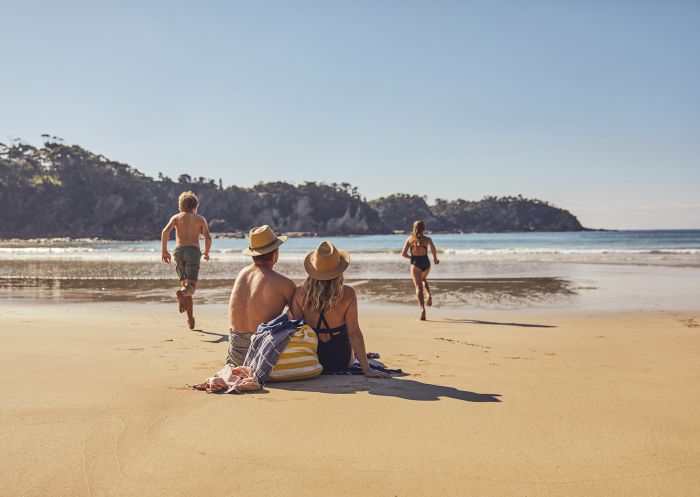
(422, 262)
(334, 355)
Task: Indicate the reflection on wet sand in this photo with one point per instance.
(492, 292)
(468, 292)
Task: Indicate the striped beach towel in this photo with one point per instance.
(298, 361)
(268, 342)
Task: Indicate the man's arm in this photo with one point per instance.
(164, 235)
(230, 303)
(289, 288)
(207, 238)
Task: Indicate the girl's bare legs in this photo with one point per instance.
(417, 276)
(429, 300)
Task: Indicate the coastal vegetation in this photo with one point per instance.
(60, 190)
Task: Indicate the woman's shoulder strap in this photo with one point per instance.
(321, 320)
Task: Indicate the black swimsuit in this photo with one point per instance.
(334, 355)
(422, 262)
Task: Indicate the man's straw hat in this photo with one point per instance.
(262, 240)
(326, 262)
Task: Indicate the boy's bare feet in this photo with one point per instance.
(422, 315)
(182, 303)
(189, 308)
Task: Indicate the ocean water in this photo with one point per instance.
(596, 269)
(674, 246)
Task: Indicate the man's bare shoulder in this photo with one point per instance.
(243, 273)
(287, 283)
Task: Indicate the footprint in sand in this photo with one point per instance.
(452, 340)
(689, 323)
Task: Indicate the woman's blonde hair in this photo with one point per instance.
(322, 295)
(417, 233)
(187, 201)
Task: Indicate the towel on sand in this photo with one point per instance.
(230, 379)
(356, 369)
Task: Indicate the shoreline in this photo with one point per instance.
(579, 287)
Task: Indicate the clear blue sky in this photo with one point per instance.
(594, 106)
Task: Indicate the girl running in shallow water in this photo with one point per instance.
(418, 244)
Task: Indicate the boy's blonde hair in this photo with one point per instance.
(187, 201)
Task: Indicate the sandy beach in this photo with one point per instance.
(95, 403)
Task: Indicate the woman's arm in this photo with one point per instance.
(406, 246)
(357, 340)
(295, 307)
(434, 251)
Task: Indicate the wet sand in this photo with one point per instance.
(458, 292)
(497, 403)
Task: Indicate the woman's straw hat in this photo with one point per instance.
(326, 262)
(262, 240)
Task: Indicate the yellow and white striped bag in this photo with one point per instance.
(299, 360)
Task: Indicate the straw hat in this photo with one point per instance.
(326, 262)
(262, 240)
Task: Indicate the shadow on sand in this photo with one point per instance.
(477, 321)
(222, 338)
(395, 387)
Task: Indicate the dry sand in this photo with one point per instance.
(94, 402)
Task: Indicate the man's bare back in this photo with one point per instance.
(259, 295)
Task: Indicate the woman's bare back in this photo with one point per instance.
(334, 317)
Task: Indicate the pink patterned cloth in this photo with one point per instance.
(230, 379)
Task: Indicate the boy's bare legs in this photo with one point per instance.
(181, 297)
(186, 292)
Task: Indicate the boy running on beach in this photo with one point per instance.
(188, 226)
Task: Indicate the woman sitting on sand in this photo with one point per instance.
(325, 301)
(419, 244)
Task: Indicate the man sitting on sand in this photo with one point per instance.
(188, 227)
(259, 294)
